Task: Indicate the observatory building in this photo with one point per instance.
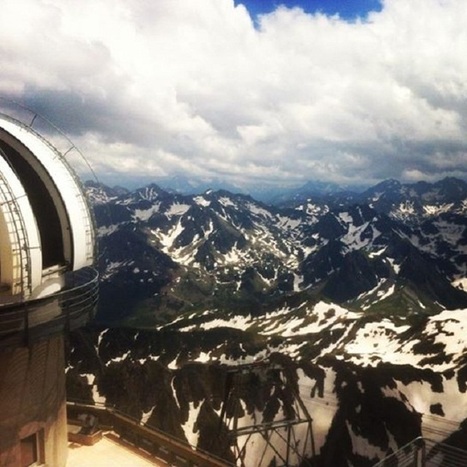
(47, 287)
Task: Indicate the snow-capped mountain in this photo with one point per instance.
(364, 308)
(409, 203)
(317, 190)
(420, 200)
(228, 250)
(99, 193)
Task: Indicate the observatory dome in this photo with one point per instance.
(48, 286)
(46, 227)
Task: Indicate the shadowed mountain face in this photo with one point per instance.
(370, 386)
(362, 303)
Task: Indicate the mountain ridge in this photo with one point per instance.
(248, 251)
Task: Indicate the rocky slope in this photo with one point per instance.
(369, 385)
(362, 307)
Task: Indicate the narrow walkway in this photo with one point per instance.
(110, 451)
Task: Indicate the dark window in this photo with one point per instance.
(29, 450)
(42, 205)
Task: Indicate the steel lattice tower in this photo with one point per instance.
(276, 429)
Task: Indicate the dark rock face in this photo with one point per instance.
(319, 266)
(141, 272)
(423, 275)
(411, 202)
(366, 414)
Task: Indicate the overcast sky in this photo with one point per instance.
(250, 92)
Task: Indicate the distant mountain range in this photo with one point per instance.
(285, 195)
(362, 296)
(268, 193)
(221, 249)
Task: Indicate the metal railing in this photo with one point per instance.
(423, 452)
(24, 322)
(438, 454)
(150, 439)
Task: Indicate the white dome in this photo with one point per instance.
(46, 227)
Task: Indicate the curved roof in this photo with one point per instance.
(45, 222)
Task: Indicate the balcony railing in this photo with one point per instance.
(143, 436)
(423, 452)
(28, 321)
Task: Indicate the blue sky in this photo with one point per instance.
(346, 9)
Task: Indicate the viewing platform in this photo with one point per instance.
(140, 444)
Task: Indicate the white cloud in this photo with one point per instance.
(153, 88)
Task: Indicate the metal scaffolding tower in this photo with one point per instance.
(273, 430)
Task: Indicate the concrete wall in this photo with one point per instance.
(32, 400)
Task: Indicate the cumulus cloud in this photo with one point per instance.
(176, 86)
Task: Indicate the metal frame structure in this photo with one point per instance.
(424, 452)
(280, 435)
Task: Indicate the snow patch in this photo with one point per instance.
(201, 201)
(177, 209)
(188, 426)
